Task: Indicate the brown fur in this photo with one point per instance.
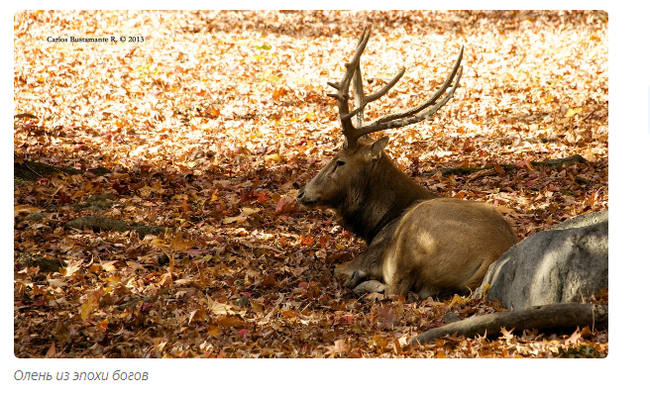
(416, 241)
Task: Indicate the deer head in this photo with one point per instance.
(354, 166)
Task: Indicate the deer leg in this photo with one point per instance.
(400, 288)
(365, 266)
(352, 271)
(368, 265)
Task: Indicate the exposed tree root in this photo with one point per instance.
(566, 315)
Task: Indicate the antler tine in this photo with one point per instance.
(442, 102)
(406, 117)
(344, 85)
(405, 120)
(387, 87)
(357, 89)
(380, 123)
(349, 130)
(361, 100)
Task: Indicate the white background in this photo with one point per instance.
(624, 372)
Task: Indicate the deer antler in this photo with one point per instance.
(353, 124)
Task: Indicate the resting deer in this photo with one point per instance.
(416, 240)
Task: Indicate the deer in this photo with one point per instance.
(416, 241)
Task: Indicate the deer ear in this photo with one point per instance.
(345, 144)
(377, 147)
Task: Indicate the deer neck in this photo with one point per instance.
(380, 196)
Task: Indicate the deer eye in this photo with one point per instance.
(339, 163)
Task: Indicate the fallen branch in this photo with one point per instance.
(25, 116)
(566, 315)
(561, 162)
(106, 224)
(45, 264)
(470, 170)
(27, 171)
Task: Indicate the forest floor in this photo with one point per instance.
(202, 126)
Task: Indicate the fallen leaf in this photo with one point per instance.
(572, 112)
(51, 352)
(24, 209)
(109, 266)
(230, 321)
(247, 211)
(88, 307)
(234, 220)
(274, 157)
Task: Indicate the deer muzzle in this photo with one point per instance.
(307, 198)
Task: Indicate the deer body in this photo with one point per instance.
(416, 241)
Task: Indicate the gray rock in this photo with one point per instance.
(565, 264)
(450, 317)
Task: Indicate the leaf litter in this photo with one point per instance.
(209, 127)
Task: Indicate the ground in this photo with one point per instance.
(207, 124)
